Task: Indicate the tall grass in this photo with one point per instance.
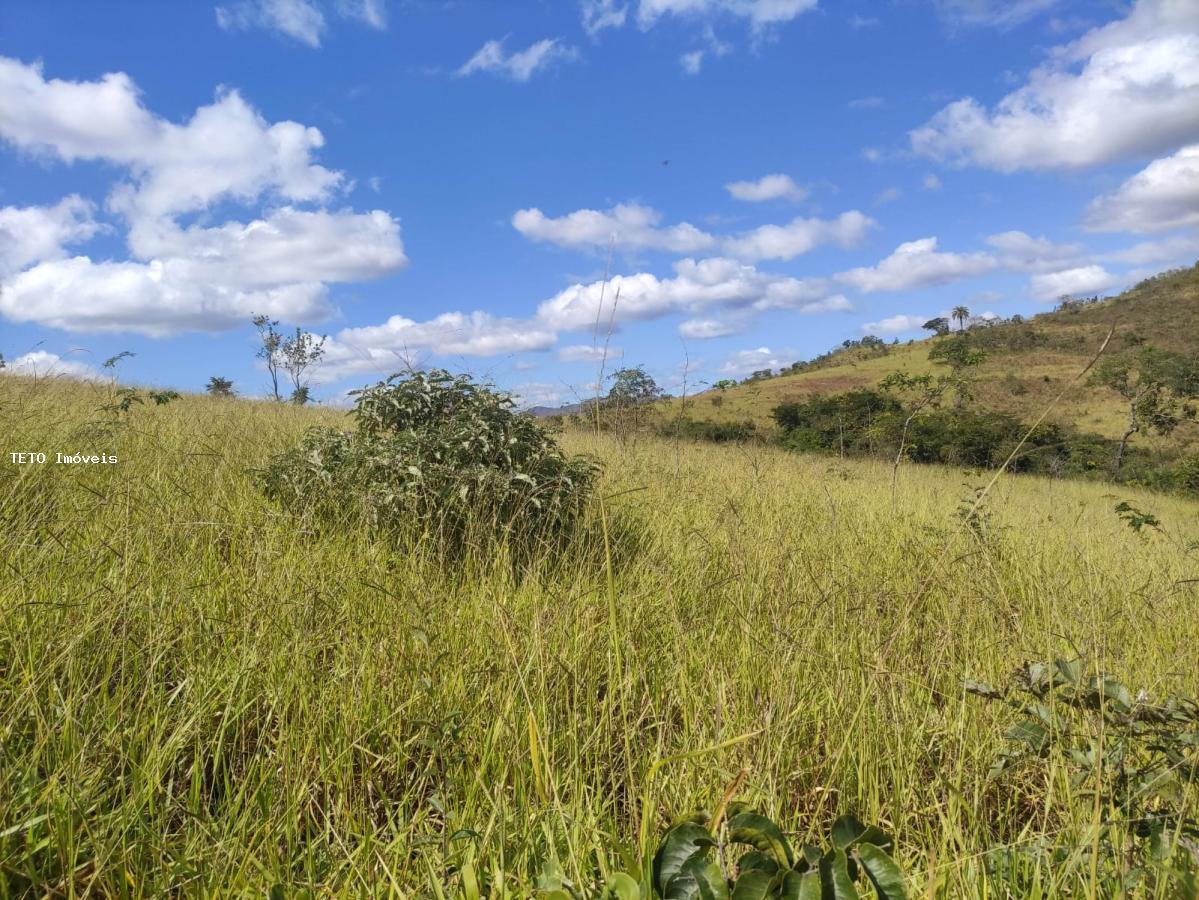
(199, 695)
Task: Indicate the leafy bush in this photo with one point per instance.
(437, 458)
(1132, 761)
(684, 867)
(715, 432)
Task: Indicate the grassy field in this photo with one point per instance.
(1161, 312)
(199, 695)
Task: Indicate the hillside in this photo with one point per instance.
(1027, 363)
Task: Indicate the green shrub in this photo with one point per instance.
(437, 458)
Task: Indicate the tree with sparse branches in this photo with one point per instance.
(219, 387)
(1156, 384)
(270, 341)
(298, 354)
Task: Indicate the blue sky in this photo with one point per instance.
(444, 183)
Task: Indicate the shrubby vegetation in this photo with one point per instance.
(439, 460)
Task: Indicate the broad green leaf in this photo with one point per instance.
(809, 856)
(621, 886)
(756, 860)
(849, 830)
(801, 886)
(761, 834)
(1069, 671)
(1030, 732)
(834, 872)
(680, 843)
(753, 886)
(707, 877)
(882, 871)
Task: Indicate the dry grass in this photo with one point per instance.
(197, 696)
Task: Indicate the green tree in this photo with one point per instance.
(962, 358)
(961, 315)
(632, 387)
(938, 326)
(1156, 384)
(219, 387)
(297, 355)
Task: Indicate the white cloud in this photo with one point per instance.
(537, 393)
(931, 182)
(800, 235)
(225, 151)
(1178, 249)
(600, 14)
(588, 353)
(1126, 89)
(298, 19)
(708, 283)
(156, 298)
(1020, 252)
(202, 278)
(865, 103)
(704, 329)
(759, 13)
(768, 187)
(370, 12)
(1074, 282)
(745, 362)
(897, 324)
(1162, 196)
(386, 347)
(692, 62)
(521, 65)
(996, 13)
(43, 364)
(627, 226)
(917, 264)
(290, 245)
(890, 195)
(32, 234)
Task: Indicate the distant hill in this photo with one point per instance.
(1028, 362)
(543, 412)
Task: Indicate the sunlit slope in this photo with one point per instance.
(1162, 312)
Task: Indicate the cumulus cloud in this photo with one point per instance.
(705, 329)
(521, 65)
(1162, 196)
(588, 353)
(32, 234)
(768, 187)
(746, 362)
(917, 264)
(1074, 282)
(697, 285)
(1126, 89)
(1182, 248)
(177, 279)
(627, 226)
(631, 226)
(43, 364)
(798, 236)
(384, 348)
(897, 324)
(1020, 252)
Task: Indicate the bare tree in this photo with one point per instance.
(269, 352)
